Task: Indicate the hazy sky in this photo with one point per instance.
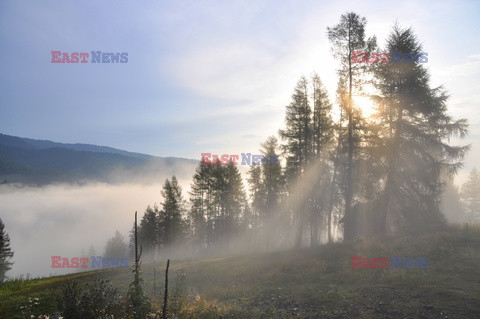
(202, 76)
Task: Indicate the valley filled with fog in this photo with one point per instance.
(62, 220)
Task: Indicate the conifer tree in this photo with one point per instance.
(470, 195)
(148, 230)
(413, 130)
(6, 253)
(116, 247)
(298, 152)
(346, 37)
(172, 230)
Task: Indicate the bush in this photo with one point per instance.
(179, 298)
(90, 301)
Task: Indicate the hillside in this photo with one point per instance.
(309, 283)
(28, 161)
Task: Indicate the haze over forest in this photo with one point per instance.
(366, 149)
(364, 117)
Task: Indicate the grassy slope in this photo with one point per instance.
(310, 283)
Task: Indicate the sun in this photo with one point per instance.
(365, 104)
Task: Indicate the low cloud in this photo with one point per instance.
(63, 220)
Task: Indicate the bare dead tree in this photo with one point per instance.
(139, 301)
(165, 298)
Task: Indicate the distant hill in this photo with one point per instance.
(27, 143)
(40, 162)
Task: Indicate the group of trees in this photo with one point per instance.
(218, 205)
(373, 175)
(216, 212)
(386, 172)
(166, 227)
(342, 174)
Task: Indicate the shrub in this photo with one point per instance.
(90, 301)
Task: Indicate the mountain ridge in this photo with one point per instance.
(16, 141)
(40, 162)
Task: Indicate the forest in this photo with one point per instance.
(342, 175)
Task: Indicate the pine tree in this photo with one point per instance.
(257, 199)
(257, 192)
(413, 129)
(273, 187)
(334, 192)
(322, 139)
(232, 201)
(148, 231)
(138, 302)
(218, 203)
(298, 132)
(272, 174)
(116, 247)
(201, 205)
(323, 126)
(346, 37)
(6, 253)
(470, 195)
(171, 222)
(308, 137)
(266, 183)
(298, 152)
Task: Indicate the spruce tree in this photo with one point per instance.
(323, 126)
(116, 247)
(232, 201)
(257, 198)
(6, 253)
(148, 231)
(298, 153)
(298, 132)
(346, 37)
(171, 222)
(470, 195)
(322, 142)
(203, 200)
(413, 131)
(266, 183)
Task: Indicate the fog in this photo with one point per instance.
(65, 220)
(62, 220)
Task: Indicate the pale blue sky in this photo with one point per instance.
(202, 76)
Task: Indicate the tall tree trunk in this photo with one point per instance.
(303, 167)
(391, 162)
(348, 230)
(334, 179)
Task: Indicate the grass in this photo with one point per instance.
(307, 283)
